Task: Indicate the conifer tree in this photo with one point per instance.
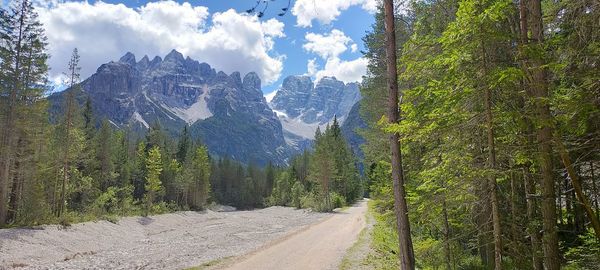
(70, 136)
(22, 76)
(153, 185)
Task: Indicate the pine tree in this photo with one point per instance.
(69, 131)
(153, 185)
(407, 257)
(23, 70)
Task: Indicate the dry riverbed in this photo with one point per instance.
(170, 241)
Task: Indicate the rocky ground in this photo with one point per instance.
(170, 241)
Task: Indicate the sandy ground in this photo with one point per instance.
(356, 257)
(173, 241)
(320, 246)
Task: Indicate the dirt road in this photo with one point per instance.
(319, 246)
(171, 241)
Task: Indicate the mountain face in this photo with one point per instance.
(303, 106)
(350, 128)
(227, 112)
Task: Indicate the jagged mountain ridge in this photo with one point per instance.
(228, 113)
(303, 106)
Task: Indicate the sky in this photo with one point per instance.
(316, 37)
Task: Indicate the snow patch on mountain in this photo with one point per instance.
(197, 111)
(270, 96)
(139, 118)
(302, 106)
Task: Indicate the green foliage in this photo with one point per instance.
(297, 193)
(153, 184)
(586, 255)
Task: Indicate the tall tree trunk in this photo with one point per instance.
(406, 253)
(532, 227)
(595, 189)
(568, 204)
(539, 87)
(583, 200)
(493, 196)
(10, 136)
(560, 205)
(529, 183)
(17, 185)
(67, 142)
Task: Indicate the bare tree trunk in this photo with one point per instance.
(515, 234)
(492, 186)
(67, 143)
(491, 147)
(17, 185)
(544, 136)
(407, 260)
(10, 137)
(532, 228)
(595, 189)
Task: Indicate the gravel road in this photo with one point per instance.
(320, 246)
(170, 241)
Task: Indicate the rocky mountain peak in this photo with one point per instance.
(251, 83)
(302, 106)
(227, 113)
(143, 63)
(237, 78)
(128, 58)
(174, 56)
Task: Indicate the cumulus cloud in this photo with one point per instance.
(312, 67)
(329, 47)
(228, 41)
(346, 71)
(326, 11)
(326, 46)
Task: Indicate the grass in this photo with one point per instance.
(212, 264)
(384, 248)
(380, 239)
(363, 242)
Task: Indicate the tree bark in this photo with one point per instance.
(595, 189)
(532, 227)
(406, 253)
(539, 87)
(10, 137)
(493, 199)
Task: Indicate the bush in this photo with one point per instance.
(337, 200)
(585, 255)
(297, 192)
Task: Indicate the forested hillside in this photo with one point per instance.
(479, 129)
(499, 131)
(73, 166)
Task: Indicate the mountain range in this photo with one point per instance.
(228, 113)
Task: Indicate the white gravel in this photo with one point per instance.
(170, 241)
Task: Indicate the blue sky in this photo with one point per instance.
(326, 32)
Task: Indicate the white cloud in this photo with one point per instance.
(326, 11)
(346, 71)
(312, 67)
(329, 47)
(104, 32)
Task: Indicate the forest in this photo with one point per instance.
(499, 124)
(482, 142)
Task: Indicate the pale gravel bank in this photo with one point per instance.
(171, 241)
